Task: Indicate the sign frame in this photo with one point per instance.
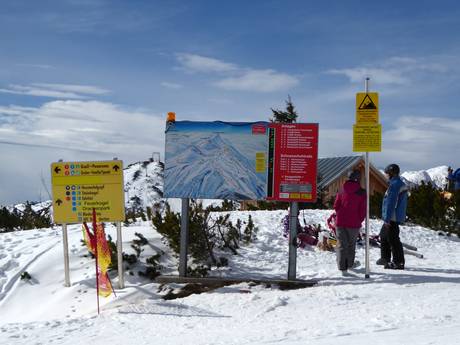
(293, 162)
(80, 186)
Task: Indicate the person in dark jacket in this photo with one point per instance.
(393, 213)
(350, 207)
(453, 179)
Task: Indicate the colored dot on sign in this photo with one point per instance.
(73, 187)
(67, 193)
(72, 166)
(66, 166)
(67, 173)
(67, 187)
(68, 198)
(74, 208)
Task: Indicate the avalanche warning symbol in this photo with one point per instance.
(367, 103)
(367, 107)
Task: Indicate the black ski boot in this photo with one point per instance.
(381, 262)
(393, 266)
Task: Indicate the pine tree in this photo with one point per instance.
(285, 116)
(249, 231)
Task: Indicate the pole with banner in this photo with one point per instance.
(367, 137)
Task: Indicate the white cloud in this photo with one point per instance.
(67, 91)
(198, 63)
(259, 80)
(85, 89)
(234, 77)
(40, 66)
(171, 85)
(395, 70)
(31, 138)
(384, 76)
(423, 142)
(82, 125)
(413, 142)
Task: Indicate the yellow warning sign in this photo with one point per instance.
(367, 107)
(78, 187)
(367, 137)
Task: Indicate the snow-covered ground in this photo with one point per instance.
(420, 305)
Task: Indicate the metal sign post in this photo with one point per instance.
(184, 234)
(367, 274)
(65, 242)
(121, 278)
(293, 219)
(367, 137)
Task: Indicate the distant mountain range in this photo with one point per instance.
(436, 176)
(144, 184)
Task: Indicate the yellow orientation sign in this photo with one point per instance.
(78, 187)
(367, 107)
(367, 137)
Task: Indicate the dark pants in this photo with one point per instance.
(390, 243)
(346, 246)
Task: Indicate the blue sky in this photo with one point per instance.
(93, 80)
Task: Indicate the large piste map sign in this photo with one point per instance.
(216, 160)
(241, 161)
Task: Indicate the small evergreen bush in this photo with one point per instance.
(207, 233)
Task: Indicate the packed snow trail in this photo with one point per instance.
(419, 305)
(19, 251)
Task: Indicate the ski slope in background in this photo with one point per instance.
(419, 305)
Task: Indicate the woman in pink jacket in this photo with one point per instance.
(350, 207)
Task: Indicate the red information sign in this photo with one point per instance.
(293, 156)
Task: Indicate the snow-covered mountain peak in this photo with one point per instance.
(143, 184)
(436, 176)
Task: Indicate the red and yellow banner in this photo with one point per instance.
(97, 245)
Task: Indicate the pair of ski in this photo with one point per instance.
(374, 241)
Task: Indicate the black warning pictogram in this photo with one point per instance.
(367, 103)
